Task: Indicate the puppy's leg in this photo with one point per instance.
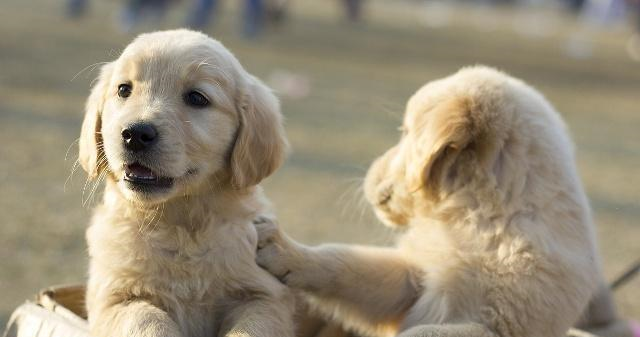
(601, 317)
(134, 319)
(264, 317)
(449, 330)
(362, 285)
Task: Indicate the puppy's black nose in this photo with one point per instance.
(139, 136)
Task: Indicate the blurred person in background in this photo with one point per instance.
(633, 45)
(256, 14)
(596, 15)
(353, 9)
(575, 6)
(132, 13)
(135, 11)
(276, 11)
(76, 8)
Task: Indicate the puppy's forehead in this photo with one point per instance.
(186, 55)
(426, 99)
(418, 106)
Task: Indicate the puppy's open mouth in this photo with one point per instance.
(140, 177)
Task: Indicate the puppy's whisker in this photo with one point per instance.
(152, 214)
(391, 108)
(350, 196)
(89, 181)
(84, 189)
(362, 202)
(66, 154)
(92, 66)
(101, 179)
(73, 167)
(180, 131)
(356, 203)
(89, 199)
(358, 180)
(114, 52)
(344, 199)
(362, 169)
(148, 215)
(69, 179)
(159, 217)
(142, 223)
(101, 161)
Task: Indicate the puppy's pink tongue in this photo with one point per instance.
(139, 171)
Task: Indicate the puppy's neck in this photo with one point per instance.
(193, 211)
(478, 202)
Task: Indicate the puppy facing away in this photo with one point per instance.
(497, 237)
(182, 135)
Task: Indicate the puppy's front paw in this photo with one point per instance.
(276, 253)
(267, 230)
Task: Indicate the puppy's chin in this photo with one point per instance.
(146, 194)
(391, 220)
(379, 194)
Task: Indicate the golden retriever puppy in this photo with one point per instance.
(497, 237)
(182, 134)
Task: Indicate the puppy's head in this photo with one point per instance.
(175, 114)
(455, 133)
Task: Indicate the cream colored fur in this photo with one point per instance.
(181, 263)
(497, 237)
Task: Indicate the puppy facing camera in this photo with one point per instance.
(182, 135)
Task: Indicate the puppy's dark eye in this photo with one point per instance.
(195, 99)
(124, 90)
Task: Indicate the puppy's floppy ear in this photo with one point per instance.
(446, 131)
(91, 148)
(261, 145)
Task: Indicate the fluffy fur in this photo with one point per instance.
(180, 261)
(497, 237)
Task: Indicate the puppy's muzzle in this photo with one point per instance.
(139, 137)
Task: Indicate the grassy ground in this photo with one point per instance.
(360, 77)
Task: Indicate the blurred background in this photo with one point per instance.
(344, 70)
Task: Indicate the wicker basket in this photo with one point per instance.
(60, 312)
(57, 312)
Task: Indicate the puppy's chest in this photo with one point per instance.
(193, 267)
(192, 275)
